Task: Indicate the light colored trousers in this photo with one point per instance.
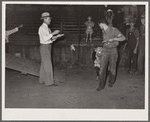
(46, 69)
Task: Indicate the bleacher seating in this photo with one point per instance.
(69, 19)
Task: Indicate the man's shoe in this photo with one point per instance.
(52, 85)
(99, 89)
(110, 85)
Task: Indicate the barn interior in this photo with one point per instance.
(73, 70)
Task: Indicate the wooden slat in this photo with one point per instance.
(31, 68)
(10, 58)
(23, 65)
(17, 64)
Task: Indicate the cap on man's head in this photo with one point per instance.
(44, 15)
(109, 10)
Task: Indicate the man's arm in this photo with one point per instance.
(46, 36)
(119, 35)
(137, 43)
(9, 32)
(119, 38)
(127, 31)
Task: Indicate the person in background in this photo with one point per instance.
(9, 32)
(89, 30)
(132, 37)
(109, 17)
(46, 39)
(141, 48)
(111, 38)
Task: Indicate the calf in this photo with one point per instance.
(96, 57)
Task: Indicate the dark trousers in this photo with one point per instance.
(97, 71)
(141, 59)
(111, 59)
(131, 60)
(141, 56)
(46, 69)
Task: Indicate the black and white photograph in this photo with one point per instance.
(75, 60)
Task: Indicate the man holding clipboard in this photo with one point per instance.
(46, 39)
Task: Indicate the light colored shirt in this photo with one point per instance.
(45, 34)
(110, 33)
(9, 32)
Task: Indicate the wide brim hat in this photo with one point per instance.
(109, 10)
(45, 15)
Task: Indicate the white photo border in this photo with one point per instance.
(76, 114)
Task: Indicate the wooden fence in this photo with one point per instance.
(61, 53)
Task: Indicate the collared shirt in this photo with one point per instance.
(9, 32)
(110, 33)
(45, 34)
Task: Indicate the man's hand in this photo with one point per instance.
(56, 32)
(20, 26)
(104, 41)
(60, 35)
(54, 38)
(57, 36)
(110, 40)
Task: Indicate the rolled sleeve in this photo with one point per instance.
(117, 33)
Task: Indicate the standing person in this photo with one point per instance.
(111, 38)
(141, 48)
(132, 36)
(89, 30)
(46, 39)
(109, 17)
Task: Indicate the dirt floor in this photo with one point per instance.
(76, 89)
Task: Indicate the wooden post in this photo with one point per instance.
(79, 20)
